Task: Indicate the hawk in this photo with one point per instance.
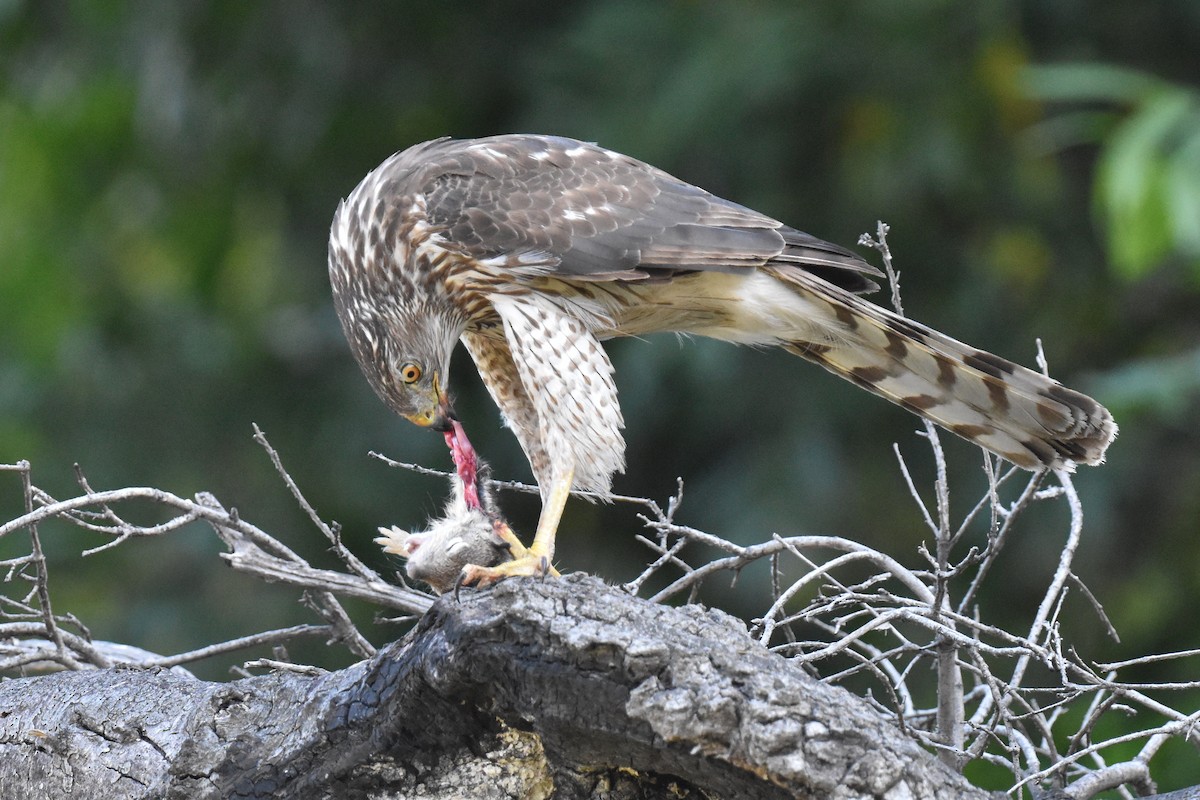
(531, 250)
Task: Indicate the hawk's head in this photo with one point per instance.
(401, 328)
(405, 355)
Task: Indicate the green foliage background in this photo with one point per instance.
(168, 172)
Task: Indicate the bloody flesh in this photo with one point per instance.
(465, 463)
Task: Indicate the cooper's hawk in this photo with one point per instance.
(533, 249)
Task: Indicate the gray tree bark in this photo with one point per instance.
(534, 689)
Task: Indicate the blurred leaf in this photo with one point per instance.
(1147, 189)
(1070, 128)
(1130, 183)
(1183, 190)
(1073, 83)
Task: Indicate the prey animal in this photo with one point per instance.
(471, 530)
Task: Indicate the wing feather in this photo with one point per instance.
(600, 215)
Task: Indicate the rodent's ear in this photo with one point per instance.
(414, 541)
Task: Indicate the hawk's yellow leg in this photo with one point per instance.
(537, 558)
(506, 535)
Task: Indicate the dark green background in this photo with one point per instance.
(168, 172)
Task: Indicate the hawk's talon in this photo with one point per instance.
(530, 565)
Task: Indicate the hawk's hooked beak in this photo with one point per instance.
(439, 414)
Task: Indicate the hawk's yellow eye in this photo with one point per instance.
(410, 372)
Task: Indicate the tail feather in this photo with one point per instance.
(1021, 415)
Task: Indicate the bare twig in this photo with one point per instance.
(43, 580)
(871, 630)
(284, 666)
(240, 643)
(879, 242)
(253, 551)
(527, 488)
(331, 532)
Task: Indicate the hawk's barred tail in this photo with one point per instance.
(1020, 414)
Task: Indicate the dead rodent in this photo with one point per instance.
(463, 535)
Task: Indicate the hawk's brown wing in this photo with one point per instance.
(580, 211)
